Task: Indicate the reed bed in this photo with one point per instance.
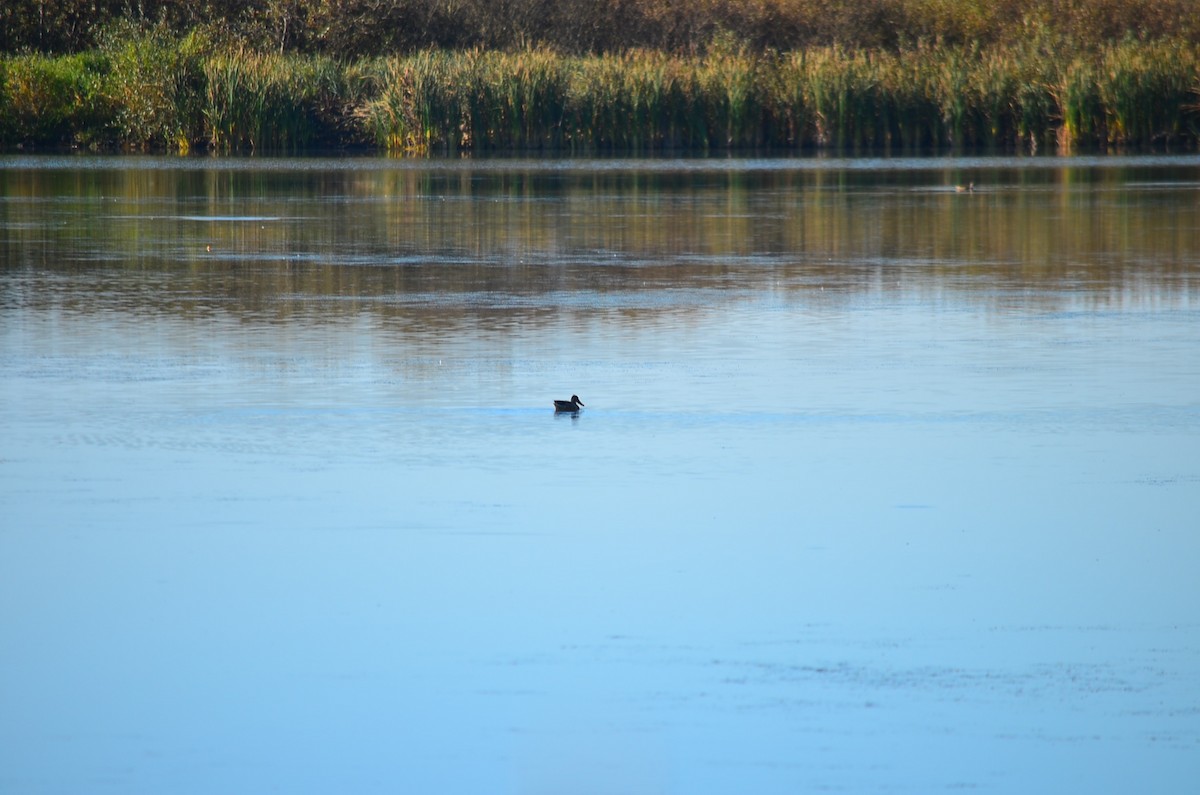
(1127, 94)
(1028, 96)
(1149, 90)
(255, 101)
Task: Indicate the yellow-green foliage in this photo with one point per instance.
(49, 100)
(151, 86)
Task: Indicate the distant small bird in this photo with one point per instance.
(968, 188)
(573, 404)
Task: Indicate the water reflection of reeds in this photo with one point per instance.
(447, 244)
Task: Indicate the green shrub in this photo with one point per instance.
(153, 86)
(51, 101)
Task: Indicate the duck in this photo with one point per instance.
(573, 404)
(968, 188)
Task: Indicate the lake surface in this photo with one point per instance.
(879, 486)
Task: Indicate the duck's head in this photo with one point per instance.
(575, 399)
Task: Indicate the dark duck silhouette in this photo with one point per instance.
(574, 404)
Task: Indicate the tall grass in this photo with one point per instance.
(733, 89)
(1147, 89)
(167, 94)
(255, 101)
(842, 90)
(642, 101)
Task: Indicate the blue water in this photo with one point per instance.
(284, 505)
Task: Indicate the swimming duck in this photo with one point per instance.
(968, 188)
(568, 405)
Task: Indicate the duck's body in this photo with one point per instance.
(574, 404)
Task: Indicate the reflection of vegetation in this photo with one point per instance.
(446, 244)
(153, 89)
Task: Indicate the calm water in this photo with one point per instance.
(879, 486)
